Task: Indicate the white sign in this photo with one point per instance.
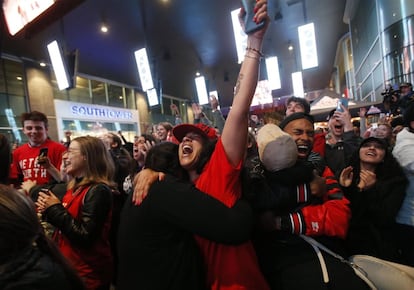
(81, 111)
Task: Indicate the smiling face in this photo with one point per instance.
(189, 151)
(302, 132)
(36, 131)
(383, 131)
(162, 133)
(336, 127)
(76, 161)
(371, 153)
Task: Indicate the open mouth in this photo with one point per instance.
(303, 149)
(187, 149)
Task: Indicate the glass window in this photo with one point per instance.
(12, 96)
(116, 96)
(81, 93)
(364, 29)
(12, 73)
(99, 93)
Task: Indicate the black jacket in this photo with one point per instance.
(97, 206)
(156, 244)
(33, 270)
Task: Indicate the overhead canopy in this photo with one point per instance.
(321, 107)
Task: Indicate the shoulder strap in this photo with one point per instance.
(318, 246)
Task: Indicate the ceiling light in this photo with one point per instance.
(152, 97)
(19, 78)
(297, 83)
(144, 70)
(42, 64)
(273, 75)
(239, 35)
(307, 42)
(58, 64)
(104, 28)
(201, 90)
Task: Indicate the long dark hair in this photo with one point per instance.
(206, 152)
(389, 167)
(20, 229)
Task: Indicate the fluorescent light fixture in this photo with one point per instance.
(239, 36)
(273, 75)
(144, 69)
(152, 97)
(201, 90)
(18, 14)
(58, 64)
(297, 83)
(308, 50)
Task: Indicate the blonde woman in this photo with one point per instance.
(83, 217)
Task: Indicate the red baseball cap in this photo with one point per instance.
(208, 132)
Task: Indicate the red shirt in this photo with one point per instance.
(228, 266)
(93, 264)
(24, 158)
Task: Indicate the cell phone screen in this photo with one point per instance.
(343, 102)
(43, 152)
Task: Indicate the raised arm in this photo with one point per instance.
(234, 135)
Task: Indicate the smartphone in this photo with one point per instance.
(343, 102)
(45, 190)
(43, 153)
(249, 25)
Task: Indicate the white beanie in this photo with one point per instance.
(277, 150)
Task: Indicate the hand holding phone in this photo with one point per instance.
(249, 25)
(45, 191)
(343, 102)
(41, 159)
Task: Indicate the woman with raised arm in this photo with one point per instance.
(214, 168)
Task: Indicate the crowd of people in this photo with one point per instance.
(209, 205)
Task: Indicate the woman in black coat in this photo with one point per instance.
(375, 185)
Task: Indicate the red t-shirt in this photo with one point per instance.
(228, 266)
(93, 264)
(24, 158)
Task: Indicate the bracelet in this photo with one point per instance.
(252, 57)
(255, 50)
